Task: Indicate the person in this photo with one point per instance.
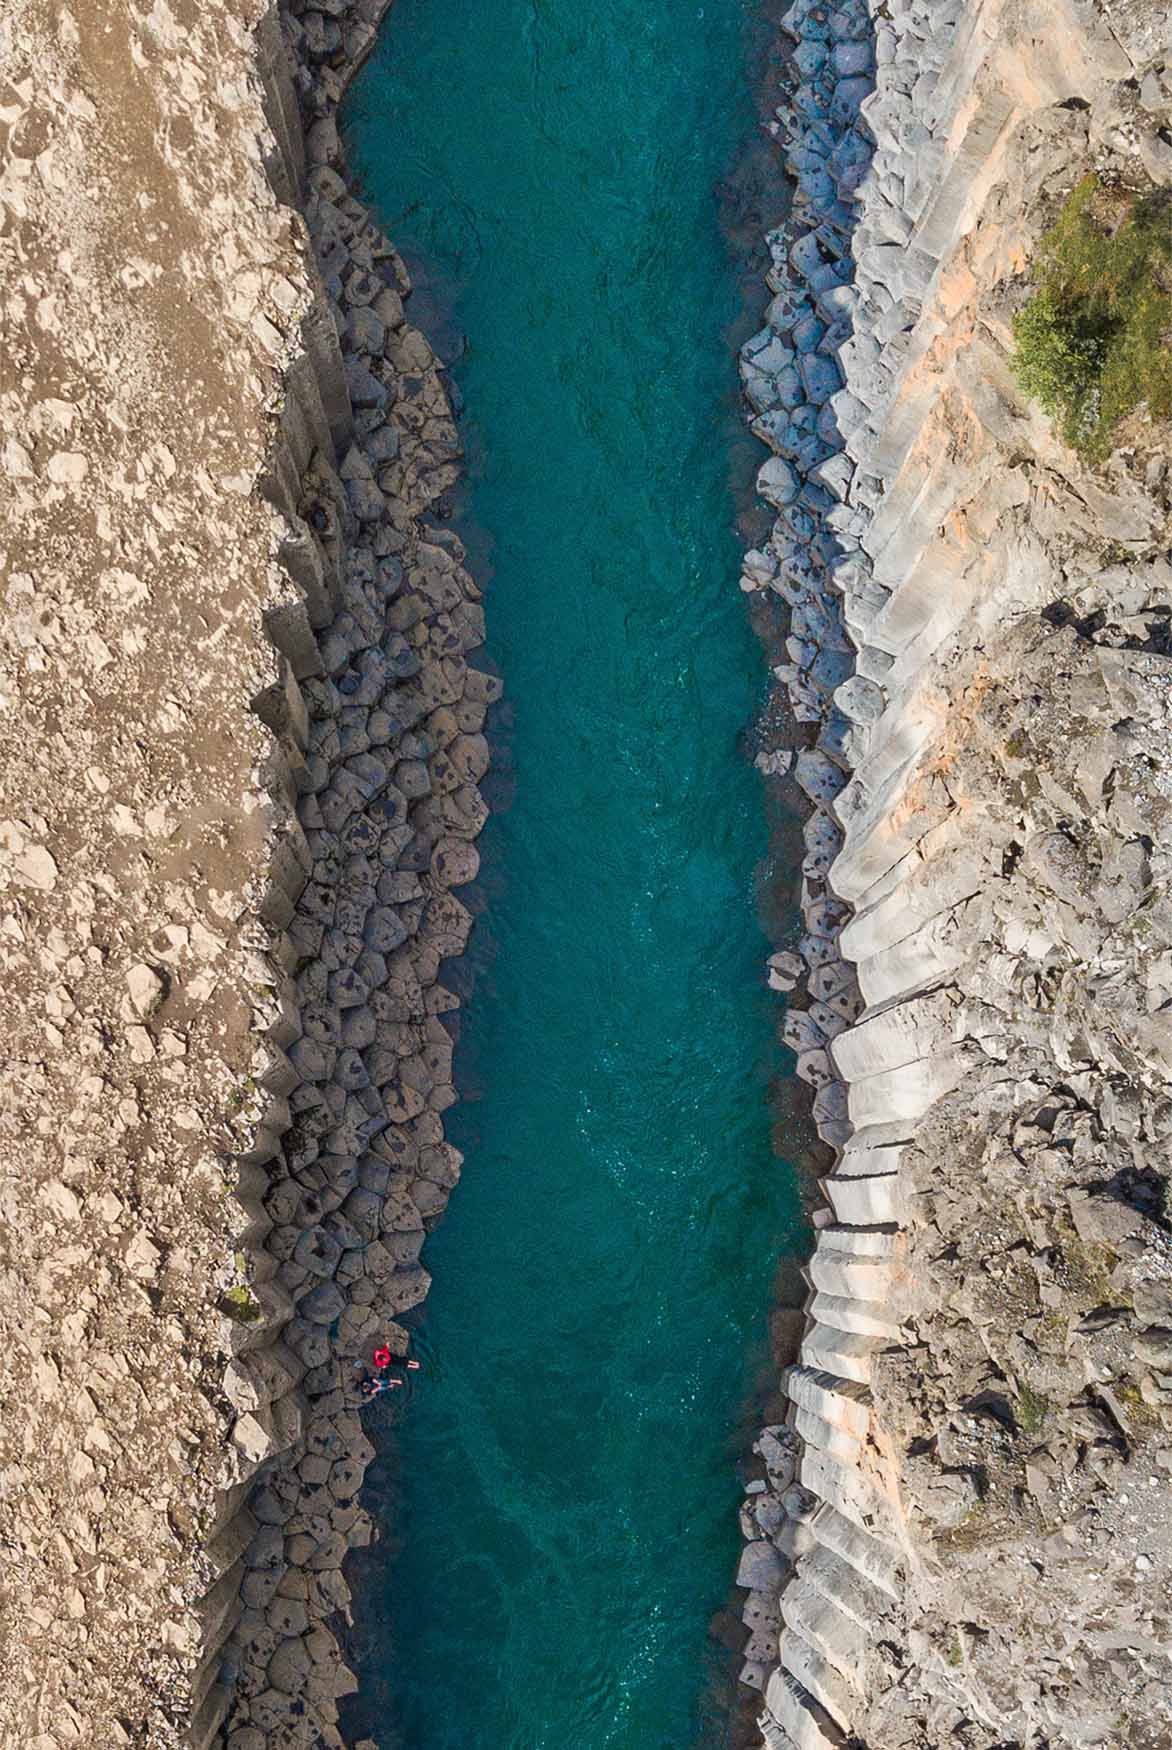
(372, 1386)
(382, 1357)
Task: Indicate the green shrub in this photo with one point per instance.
(1093, 342)
(240, 1304)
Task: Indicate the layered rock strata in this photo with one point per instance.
(379, 720)
(980, 660)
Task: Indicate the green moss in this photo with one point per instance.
(977, 1527)
(1145, 1418)
(240, 1094)
(1087, 1267)
(1093, 341)
(1033, 1409)
(239, 1303)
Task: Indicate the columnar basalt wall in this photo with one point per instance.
(378, 724)
(979, 673)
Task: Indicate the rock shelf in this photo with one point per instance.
(975, 620)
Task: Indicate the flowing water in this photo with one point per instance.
(563, 1526)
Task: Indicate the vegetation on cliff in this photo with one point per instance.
(1093, 341)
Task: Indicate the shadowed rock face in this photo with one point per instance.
(380, 749)
(981, 1408)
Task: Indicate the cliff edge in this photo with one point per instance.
(961, 1533)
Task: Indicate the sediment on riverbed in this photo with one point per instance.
(979, 673)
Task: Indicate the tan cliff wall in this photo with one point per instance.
(979, 1407)
(150, 292)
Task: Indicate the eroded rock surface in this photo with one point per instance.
(978, 1551)
(151, 290)
(381, 721)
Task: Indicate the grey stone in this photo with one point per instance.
(329, 1553)
(383, 444)
(761, 1569)
(322, 1305)
(384, 929)
(364, 1208)
(364, 330)
(289, 1666)
(365, 388)
(350, 1071)
(366, 501)
(777, 482)
(849, 94)
(820, 377)
(259, 1586)
(818, 776)
(852, 58)
(268, 1508)
(318, 1252)
(271, 1708)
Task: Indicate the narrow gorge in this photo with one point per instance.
(564, 1528)
(399, 946)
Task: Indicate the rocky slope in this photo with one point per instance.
(152, 288)
(962, 1534)
(379, 722)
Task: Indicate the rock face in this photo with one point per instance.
(979, 655)
(152, 290)
(379, 720)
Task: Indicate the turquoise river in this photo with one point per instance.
(559, 1503)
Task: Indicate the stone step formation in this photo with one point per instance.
(854, 124)
(380, 747)
(895, 123)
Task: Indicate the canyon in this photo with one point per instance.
(246, 773)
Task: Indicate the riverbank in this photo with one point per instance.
(152, 294)
(981, 1371)
(235, 926)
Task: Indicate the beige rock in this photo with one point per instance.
(145, 990)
